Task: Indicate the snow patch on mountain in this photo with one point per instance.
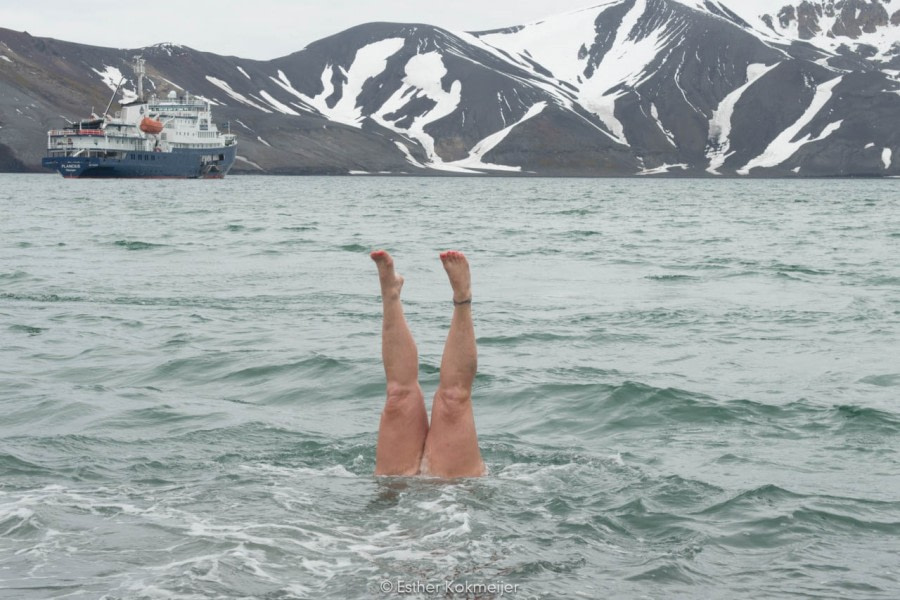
(423, 75)
(172, 83)
(210, 100)
(249, 162)
(309, 104)
(786, 144)
(759, 13)
(243, 72)
(558, 44)
(555, 42)
(719, 146)
(279, 106)
(561, 43)
(750, 11)
(409, 157)
(831, 30)
(112, 77)
(475, 160)
(370, 61)
(654, 112)
(236, 95)
(626, 62)
(663, 169)
(886, 156)
(6, 58)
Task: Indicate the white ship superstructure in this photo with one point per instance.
(173, 136)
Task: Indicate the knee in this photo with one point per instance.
(453, 403)
(402, 399)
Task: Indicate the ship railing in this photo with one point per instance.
(65, 132)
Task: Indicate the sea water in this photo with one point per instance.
(686, 388)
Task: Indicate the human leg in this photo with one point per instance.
(404, 421)
(451, 447)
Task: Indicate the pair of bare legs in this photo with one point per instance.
(407, 445)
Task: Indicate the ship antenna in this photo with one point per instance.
(139, 73)
(113, 97)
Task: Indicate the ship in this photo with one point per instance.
(170, 137)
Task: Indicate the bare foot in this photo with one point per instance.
(391, 282)
(457, 268)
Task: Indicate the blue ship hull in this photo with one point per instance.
(181, 163)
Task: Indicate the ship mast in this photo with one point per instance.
(139, 72)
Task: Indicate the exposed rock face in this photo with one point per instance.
(628, 87)
(837, 18)
(808, 20)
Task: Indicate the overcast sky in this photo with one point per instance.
(260, 29)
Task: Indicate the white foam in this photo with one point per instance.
(333, 471)
(617, 459)
(319, 568)
(153, 592)
(297, 590)
(18, 516)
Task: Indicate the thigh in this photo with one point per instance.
(401, 433)
(451, 447)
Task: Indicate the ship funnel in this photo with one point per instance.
(139, 72)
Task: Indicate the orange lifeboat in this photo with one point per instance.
(149, 125)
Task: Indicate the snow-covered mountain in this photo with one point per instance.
(623, 87)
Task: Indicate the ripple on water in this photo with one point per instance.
(27, 329)
(14, 276)
(137, 245)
